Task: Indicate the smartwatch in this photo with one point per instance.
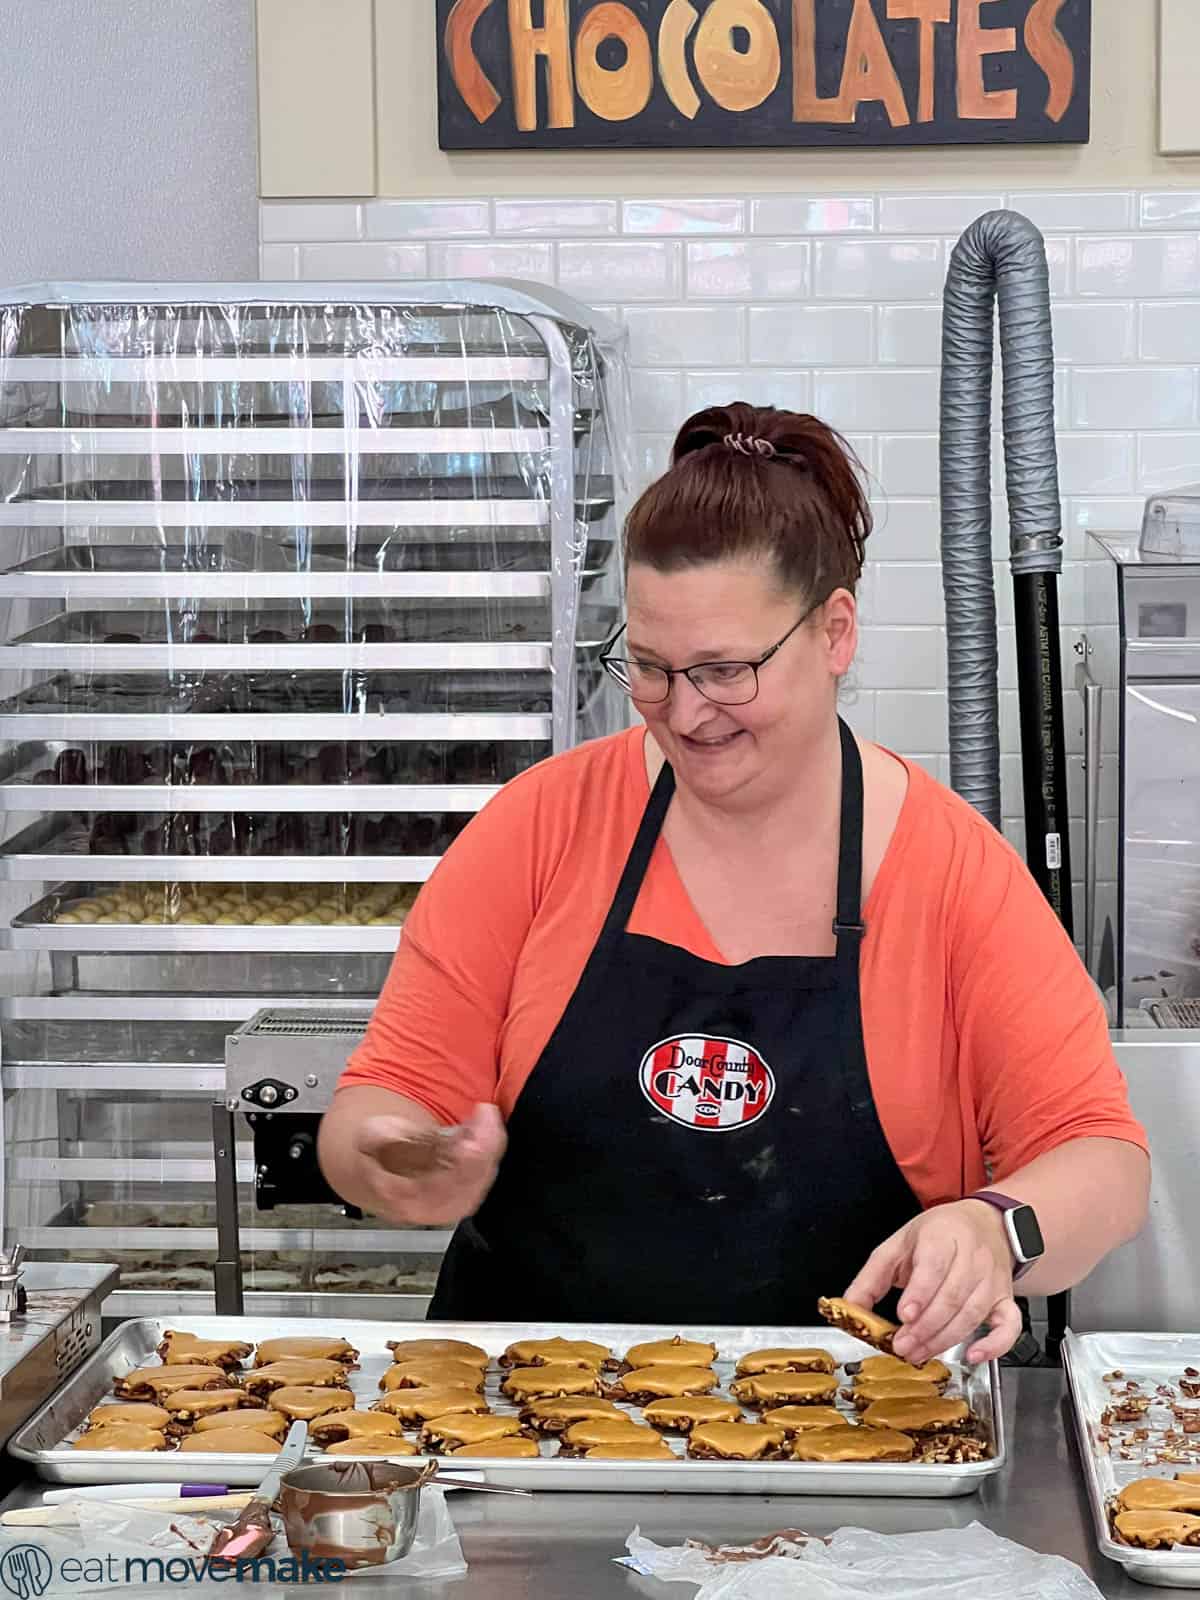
(1021, 1225)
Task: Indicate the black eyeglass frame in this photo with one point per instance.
(609, 662)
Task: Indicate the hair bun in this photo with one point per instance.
(755, 480)
(762, 432)
(704, 428)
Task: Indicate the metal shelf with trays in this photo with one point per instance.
(252, 645)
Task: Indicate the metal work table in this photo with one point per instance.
(560, 1546)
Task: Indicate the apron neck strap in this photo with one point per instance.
(638, 860)
(847, 924)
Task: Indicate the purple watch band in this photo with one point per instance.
(1005, 1203)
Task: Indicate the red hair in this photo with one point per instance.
(799, 502)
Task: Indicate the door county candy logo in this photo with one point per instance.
(26, 1570)
(712, 1085)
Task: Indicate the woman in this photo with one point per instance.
(729, 1011)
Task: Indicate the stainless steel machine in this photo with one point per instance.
(50, 1321)
(281, 1069)
(1140, 677)
(292, 578)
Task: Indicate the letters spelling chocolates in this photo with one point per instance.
(575, 73)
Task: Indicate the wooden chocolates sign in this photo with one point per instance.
(578, 74)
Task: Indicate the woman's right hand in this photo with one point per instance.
(427, 1177)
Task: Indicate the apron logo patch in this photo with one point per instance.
(714, 1085)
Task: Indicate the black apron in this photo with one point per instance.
(698, 1143)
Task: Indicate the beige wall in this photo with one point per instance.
(1122, 150)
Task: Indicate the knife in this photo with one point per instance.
(250, 1535)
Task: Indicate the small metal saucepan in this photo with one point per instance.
(363, 1513)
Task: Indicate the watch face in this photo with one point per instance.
(1029, 1235)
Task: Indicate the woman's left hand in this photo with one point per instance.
(954, 1268)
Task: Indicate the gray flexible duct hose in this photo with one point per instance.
(1000, 256)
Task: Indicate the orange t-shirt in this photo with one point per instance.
(986, 1043)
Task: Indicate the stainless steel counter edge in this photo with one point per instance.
(563, 1545)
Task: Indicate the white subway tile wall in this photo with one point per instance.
(817, 335)
(834, 303)
(487, 259)
(559, 219)
(933, 213)
(362, 259)
(633, 269)
(289, 220)
(1168, 330)
(789, 214)
(878, 269)
(742, 270)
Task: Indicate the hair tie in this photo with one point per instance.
(748, 444)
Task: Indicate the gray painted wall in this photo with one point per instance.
(128, 139)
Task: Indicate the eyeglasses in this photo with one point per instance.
(728, 683)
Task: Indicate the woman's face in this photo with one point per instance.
(735, 611)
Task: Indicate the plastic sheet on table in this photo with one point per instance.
(969, 1563)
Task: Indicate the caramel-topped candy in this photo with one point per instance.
(680, 1414)
(564, 1352)
(853, 1444)
(515, 1446)
(783, 1359)
(428, 1374)
(552, 1416)
(338, 1425)
(542, 1383)
(919, 1416)
(866, 1392)
(185, 1405)
(786, 1388)
(581, 1437)
(155, 1383)
(305, 1349)
(804, 1419)
(676, 1352)
(735, 1441)
(437, 1350)
(876, 1368)
(271, 1423)
(370, 1444)
(441, 1434)
(857, 1320)
(419, 1405)
(293, 1370)
(1160, 1494)
(632, 1449)
(189, 1349)
(1157, 1530)
(122, 1436)
(139, 1412)
(662, 1382)
(233, 1442)
(303, 1402)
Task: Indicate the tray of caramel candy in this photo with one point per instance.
(606, 1406)
(1135, 1398)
